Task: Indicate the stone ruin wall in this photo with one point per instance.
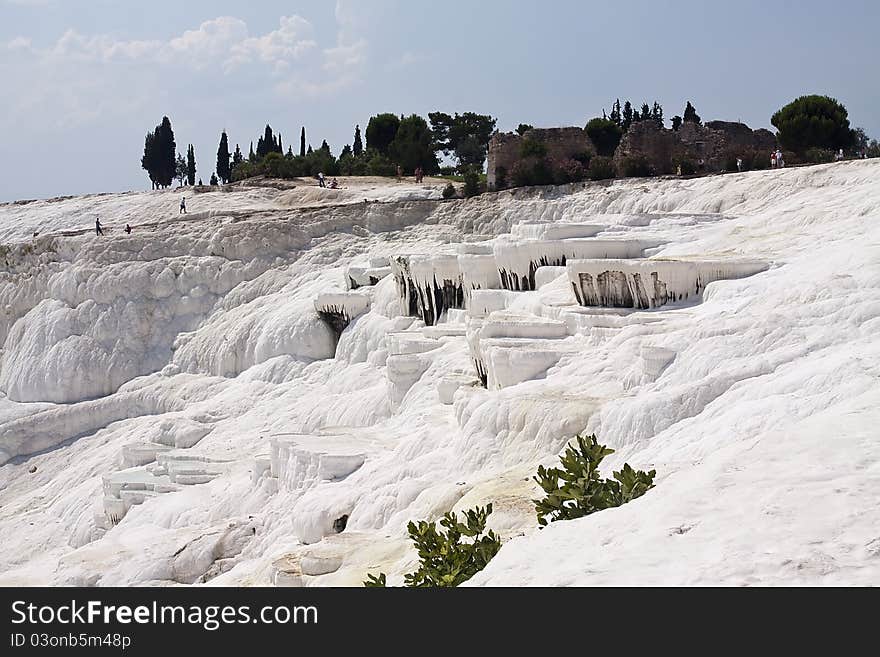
(561, 143)
(707, 147)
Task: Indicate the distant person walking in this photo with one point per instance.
(321, 182)
(419, 174)
(399, 173)
(182, 205)
(98, 229)
(779, 161)
(739, 164)
(773, 159)
(128, 229)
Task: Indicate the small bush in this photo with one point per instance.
(635, 167)
(601, 168)
(471, 182)
(688, 168)
(818, 156)
(576, 490)
(568, 171)
(449, 191)
(445, 560)
(584, 158)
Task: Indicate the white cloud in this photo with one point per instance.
(80, 78)
(19, 43)
(279, 47)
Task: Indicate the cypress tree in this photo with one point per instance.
(251, 155)
(280, 148)
(627, 116)
(223, 171)
(237, 157)
(191, 165)
(166, 163)
(309, 152)
(690, 114)
(148, 161)
(267, 143)
(325, 146)
(358, 148)
(289, 151)
(302, 142)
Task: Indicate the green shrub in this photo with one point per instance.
(576, 490)
(471, 182)
(601, 168)
(445, 560)
(532, 148)
(818, 155)
(449, 191)
(605, 135)
(688, 168)
(568, 171)
(635, 167)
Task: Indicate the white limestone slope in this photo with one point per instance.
(178, 406)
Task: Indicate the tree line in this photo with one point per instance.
(389, 141)
(812, 128)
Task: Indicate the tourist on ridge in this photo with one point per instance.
(128, 229)
(779, 161)
(182, 205)
(772, 160)
(399, 173)
(321, 180)
(334, 184)
(98, 230)
(739, 164)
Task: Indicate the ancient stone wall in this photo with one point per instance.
(708, 147)
(560, 143)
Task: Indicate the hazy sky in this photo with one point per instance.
(84, 80)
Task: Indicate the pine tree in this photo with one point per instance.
(309, 152)
(191, 165)
(289, 151)
(237, 157)
(325, 146)
(214, 180)
(646, 112)
(690, 114)
(358, 148)
(676, 122)
(223, 171)
(346, 152)
(302, 142)
(251, 155)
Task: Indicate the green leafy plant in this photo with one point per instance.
(601, 168)
(576, 490)
(446, 560)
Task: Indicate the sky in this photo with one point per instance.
(85, 80)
